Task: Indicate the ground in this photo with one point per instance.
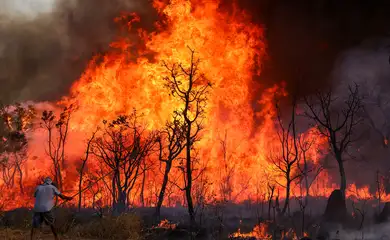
(10, 234)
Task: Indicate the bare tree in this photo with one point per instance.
(287, 162)
(380, 189)
(309, 170)
(171, 144)
(271, 190)
(122, 146)
(190, 87)
(57, 131)
(337, 125)
(227, 171)
(360, 208)
(15, 122)
(83, 165)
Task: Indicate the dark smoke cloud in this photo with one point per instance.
(306, 37)
(40, 57)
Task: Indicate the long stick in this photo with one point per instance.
(86, 188)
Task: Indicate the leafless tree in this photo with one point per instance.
(287, 161)
(57, 131)
(271, 190)
(121, 146)
(309, 171)
(380, 189)
(83, 165)
(360, 208)
(171, 144)
(337, 125)
(15, 122)
(227, 171)
(190, 87)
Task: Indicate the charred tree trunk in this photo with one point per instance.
(269, 207)
(188, 188)
(20, 176)
(163, 188)
(81, 183)
(307, 187)
(142, 194)
(120, 203)
(343, 179)
(288, 186)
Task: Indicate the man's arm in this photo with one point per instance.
(64, 197)
(59, 194)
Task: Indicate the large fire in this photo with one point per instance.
(230, 49)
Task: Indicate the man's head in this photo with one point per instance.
(48, 181)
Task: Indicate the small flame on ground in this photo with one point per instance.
(165, 224)
(259, 232)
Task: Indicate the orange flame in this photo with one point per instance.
(259, 232)
(230, 49)
(165, 224)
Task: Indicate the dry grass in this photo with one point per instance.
(126, 226)
(11, 234)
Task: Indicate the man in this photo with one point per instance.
(44, 203)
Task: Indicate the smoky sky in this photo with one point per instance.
(305, 38)
(41, 57)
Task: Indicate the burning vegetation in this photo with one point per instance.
(259, 233)
(169, 120)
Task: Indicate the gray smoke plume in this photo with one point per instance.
(46, 44)
(368, 66)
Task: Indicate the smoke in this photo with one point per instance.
(380, 231)
(367, 65)
(46, 44)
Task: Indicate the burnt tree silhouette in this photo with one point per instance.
(171, 144)
(190, 87)
(287, 163)
(15, 121)
(227, 170)
(308, 174)
(337, 125)
(271, 190)
(122, 145)
(82, 167)
(57, 134)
